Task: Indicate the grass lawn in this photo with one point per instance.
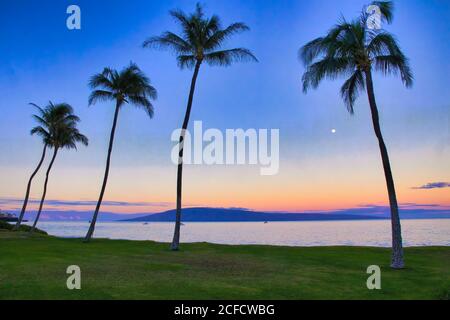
(35, 268)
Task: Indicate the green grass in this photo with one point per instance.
(35, 268)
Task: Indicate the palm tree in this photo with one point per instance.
(47, 118)
(353, 49)
(200, 41)
(61, 134)
(127, 86)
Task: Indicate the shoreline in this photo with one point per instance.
(292, 234)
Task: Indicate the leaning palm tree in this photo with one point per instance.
(355, 49)
(127, 86)
(47, 118)
(200, 41)
(62, 135)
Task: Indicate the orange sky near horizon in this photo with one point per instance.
(296, 188)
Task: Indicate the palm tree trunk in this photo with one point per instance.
(45, 190)
(397, 247)
(105, 178)
(176, 235)
(27, 194)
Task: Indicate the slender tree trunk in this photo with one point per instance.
(105, 178)
(397, 247)
(176, 235)
(27, 194)
(45, 190)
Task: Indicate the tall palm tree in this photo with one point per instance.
(62, 134)
(353, 49)
(200, 41)
(47, 118)
(127, 86)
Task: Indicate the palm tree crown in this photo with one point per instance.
(201, 40)
(351, 48)
(127, 86)
(68, 136)
(56, 124)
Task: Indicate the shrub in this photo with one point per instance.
(23, 228)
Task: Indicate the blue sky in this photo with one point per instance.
(42, 60)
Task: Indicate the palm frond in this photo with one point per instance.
(213, 24)
(199, 14)
(383, 43)
(41, 110)
(169, 40)
(62, 109)
(329, 68)
(350, 89)
(394, 64)
(186, 61)
(343, 40)
(102, 80)
(227, 57)
(81, 138)
(311, 50)
(40, 120)
(387, 10)
(71, 118)
(41, 132)
(142, 102)
(219, 36)
(99, 95)
(181, 18)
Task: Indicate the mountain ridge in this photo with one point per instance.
(243, 215)
(206, 214)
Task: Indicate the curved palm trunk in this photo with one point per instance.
(45, 190)
(397, 247)
(176, 235)
(27, 194)
(105, 178)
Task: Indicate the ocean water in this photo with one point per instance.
(312, 233)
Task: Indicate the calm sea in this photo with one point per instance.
(317, 233)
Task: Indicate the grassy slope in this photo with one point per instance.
(111, 269)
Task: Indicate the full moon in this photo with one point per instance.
(333, 130)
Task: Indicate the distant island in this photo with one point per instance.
(242, 215)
